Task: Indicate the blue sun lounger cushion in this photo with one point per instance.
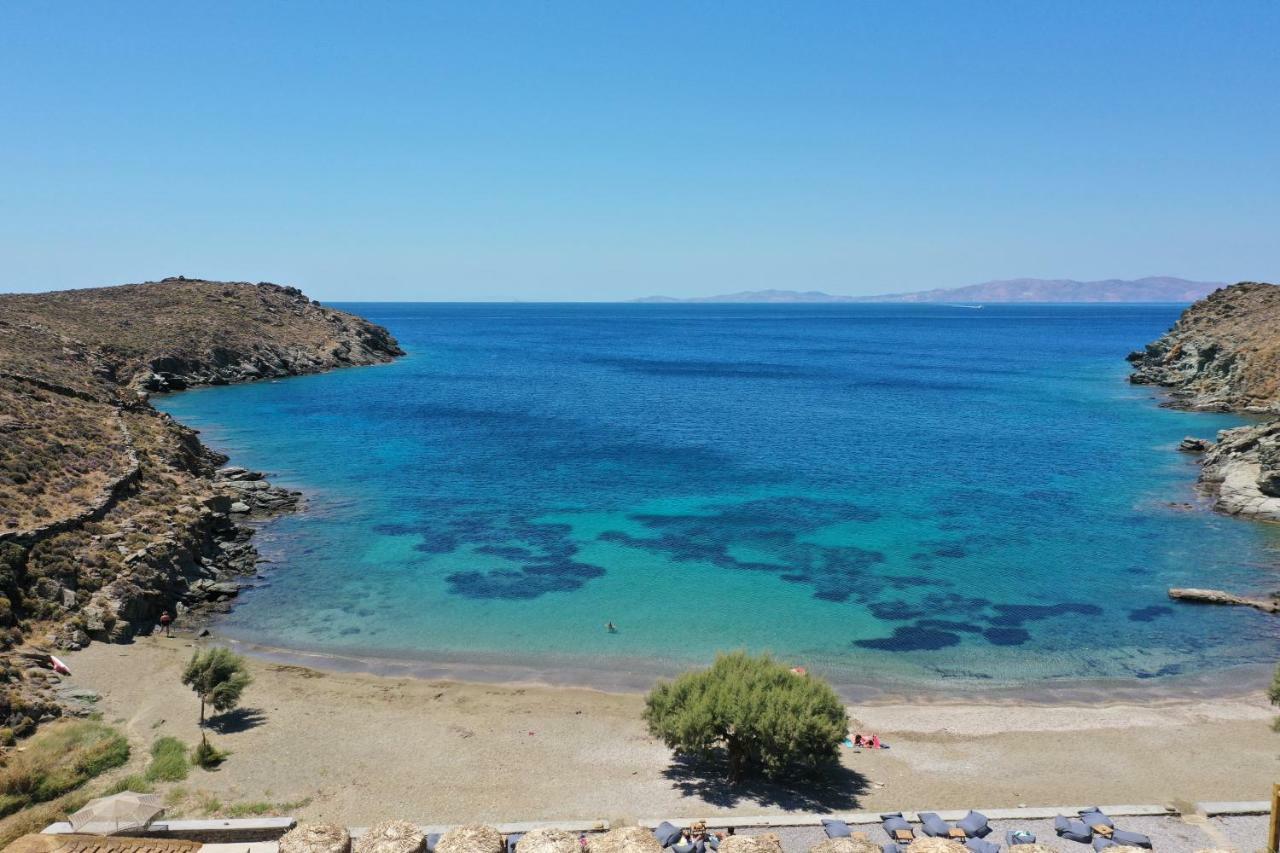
(1094, 816)
(977, 845)
(890, 847)
(513, 840)
(667, 834)
(1019, 836)
(432, 840)
(934, 825)
(893, 823)
(974, 824)
(684, 848)
(1131, 839)
(1072, 829)
(836, 828)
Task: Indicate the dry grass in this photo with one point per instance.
(391, 836)
(627, 839)
(844, 845)
(766, 842)
(471, 838)
(546, 840)
(316, 838)
(58, 759)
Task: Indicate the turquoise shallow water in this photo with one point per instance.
(888, 494)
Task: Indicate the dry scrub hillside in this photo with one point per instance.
(70, 360)
(1223, 354)
(111, 512)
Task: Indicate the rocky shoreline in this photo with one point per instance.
(1223, 355)
(112, 512)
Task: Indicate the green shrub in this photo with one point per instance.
(767, 719)
(168, 761)
(207, 755)
(136, 782)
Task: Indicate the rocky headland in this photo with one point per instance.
(111, 512)
(1223, 355)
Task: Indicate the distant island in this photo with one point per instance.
(1150, 289)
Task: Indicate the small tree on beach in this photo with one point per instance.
(218, 677)
(767, 719)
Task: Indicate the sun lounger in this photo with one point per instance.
(512, 840)
(933, 825)
(432, 840)
(1072, 829)
(1093, 816)
(974, 824)
(667, 834)
(1130, 839)
(977, 845)
(897, 828)
(1019, 836)
(836, 828)
(688, 847)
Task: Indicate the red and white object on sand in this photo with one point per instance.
(58, 666)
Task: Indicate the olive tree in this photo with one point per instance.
(218, 676)
(767, 719)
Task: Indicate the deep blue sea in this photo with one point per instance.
(887, 494)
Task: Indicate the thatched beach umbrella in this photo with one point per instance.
(546, 840)
(391, 836)
(119, 812)
(935, 845)
(766, 842)
(626, 839)
(316, 838)
(846, 845)
(471, 838)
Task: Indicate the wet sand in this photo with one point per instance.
(359, 747)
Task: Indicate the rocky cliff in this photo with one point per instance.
(110, 511)
(1223, 355)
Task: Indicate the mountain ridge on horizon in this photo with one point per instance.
(1147, 289)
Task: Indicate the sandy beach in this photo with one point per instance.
(357, 748)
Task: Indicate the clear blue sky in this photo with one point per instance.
(603, 150)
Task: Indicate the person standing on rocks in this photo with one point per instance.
(166, 622)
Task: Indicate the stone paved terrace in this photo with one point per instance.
(1169, 832)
